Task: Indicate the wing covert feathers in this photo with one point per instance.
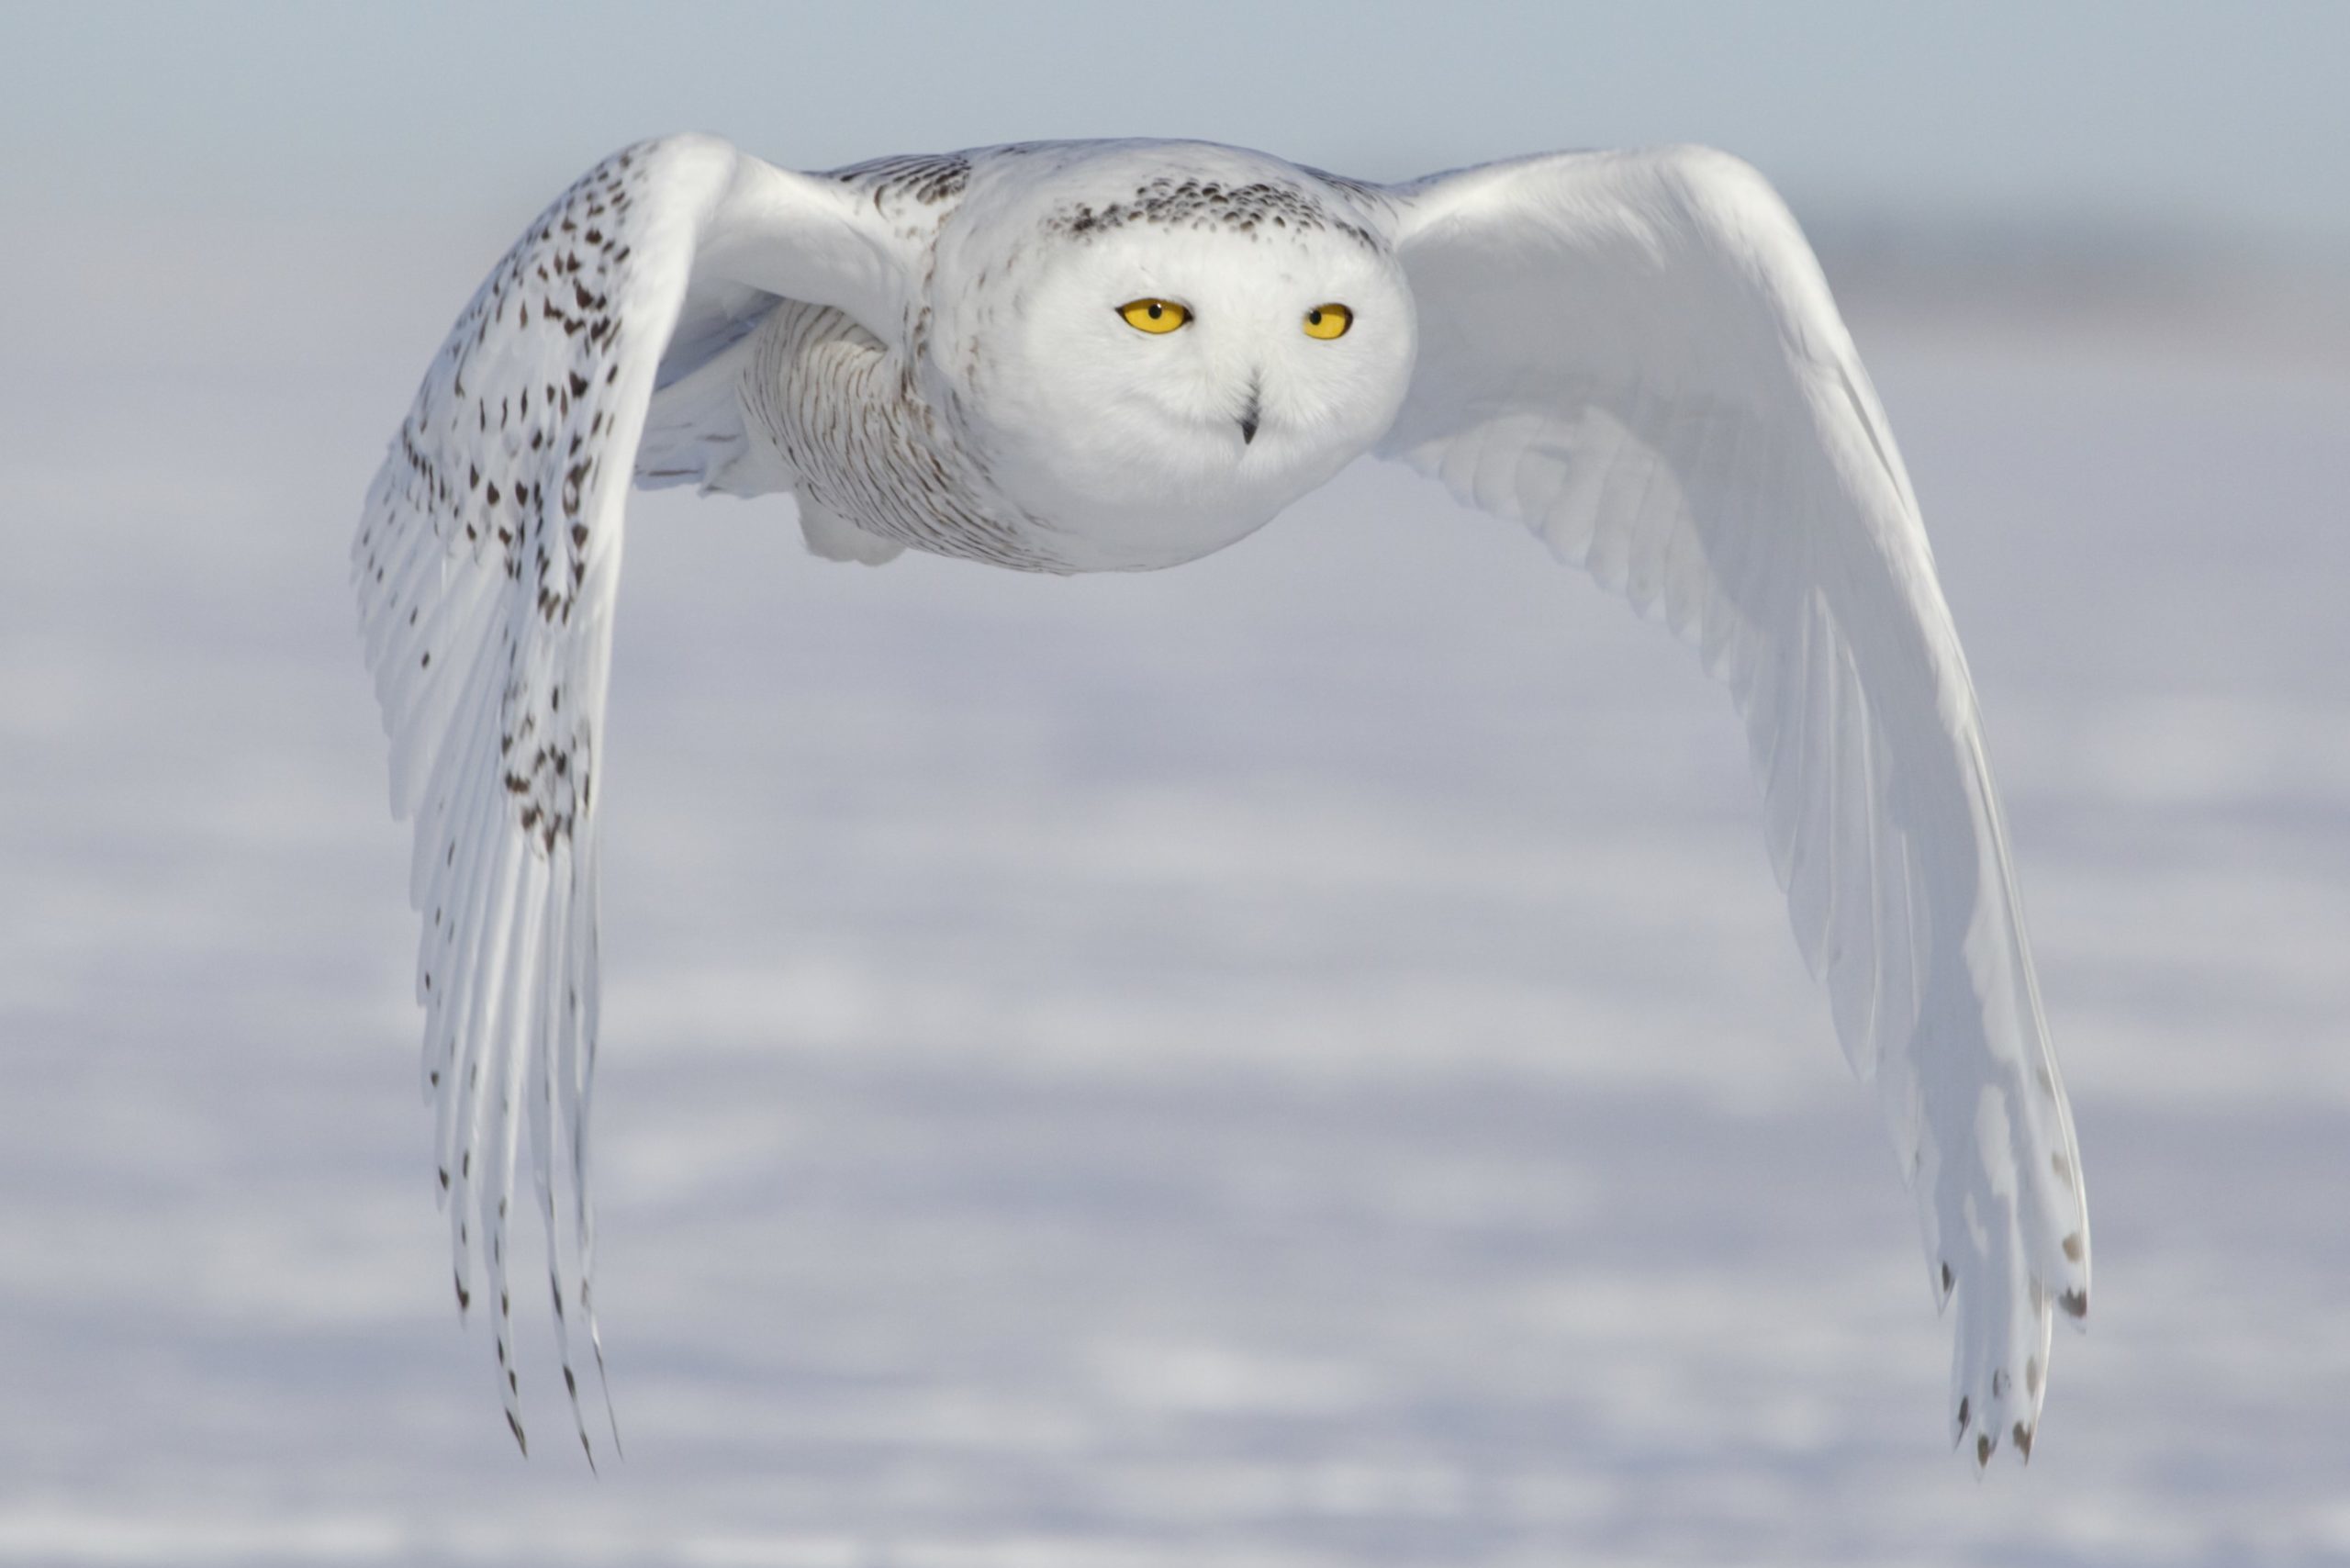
(1636, 355)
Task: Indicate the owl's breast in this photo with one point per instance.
(844, 412)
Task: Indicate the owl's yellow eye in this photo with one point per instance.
(1154, 315)
(1328, 321)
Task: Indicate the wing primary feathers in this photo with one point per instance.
(1811, 881)
(478, 1050)
(515, 1031)
(583, 1005)
(1857, 967)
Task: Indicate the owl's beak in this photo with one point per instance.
(1248, 418)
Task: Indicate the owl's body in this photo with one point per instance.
(1084, 356)
(881, 434)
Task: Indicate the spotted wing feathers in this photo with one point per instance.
(486, 565)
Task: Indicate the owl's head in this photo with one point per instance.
(1167, 344)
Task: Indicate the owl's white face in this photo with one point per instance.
(1150, 447)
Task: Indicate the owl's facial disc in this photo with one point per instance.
(1163, 389)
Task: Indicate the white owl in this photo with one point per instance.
(1115, 355)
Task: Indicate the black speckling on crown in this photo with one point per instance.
(1209, 204)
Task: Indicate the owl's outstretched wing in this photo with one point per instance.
(1636, 355)
(486, 565)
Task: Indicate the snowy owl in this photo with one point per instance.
(1118, 355)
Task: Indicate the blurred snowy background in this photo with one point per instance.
(1292, 1062)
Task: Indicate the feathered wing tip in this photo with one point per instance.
(1998, 1180)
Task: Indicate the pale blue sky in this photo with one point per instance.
(2203, 116)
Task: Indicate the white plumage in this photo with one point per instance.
(1634, 353)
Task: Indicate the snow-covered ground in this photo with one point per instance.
(1294, 1061)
